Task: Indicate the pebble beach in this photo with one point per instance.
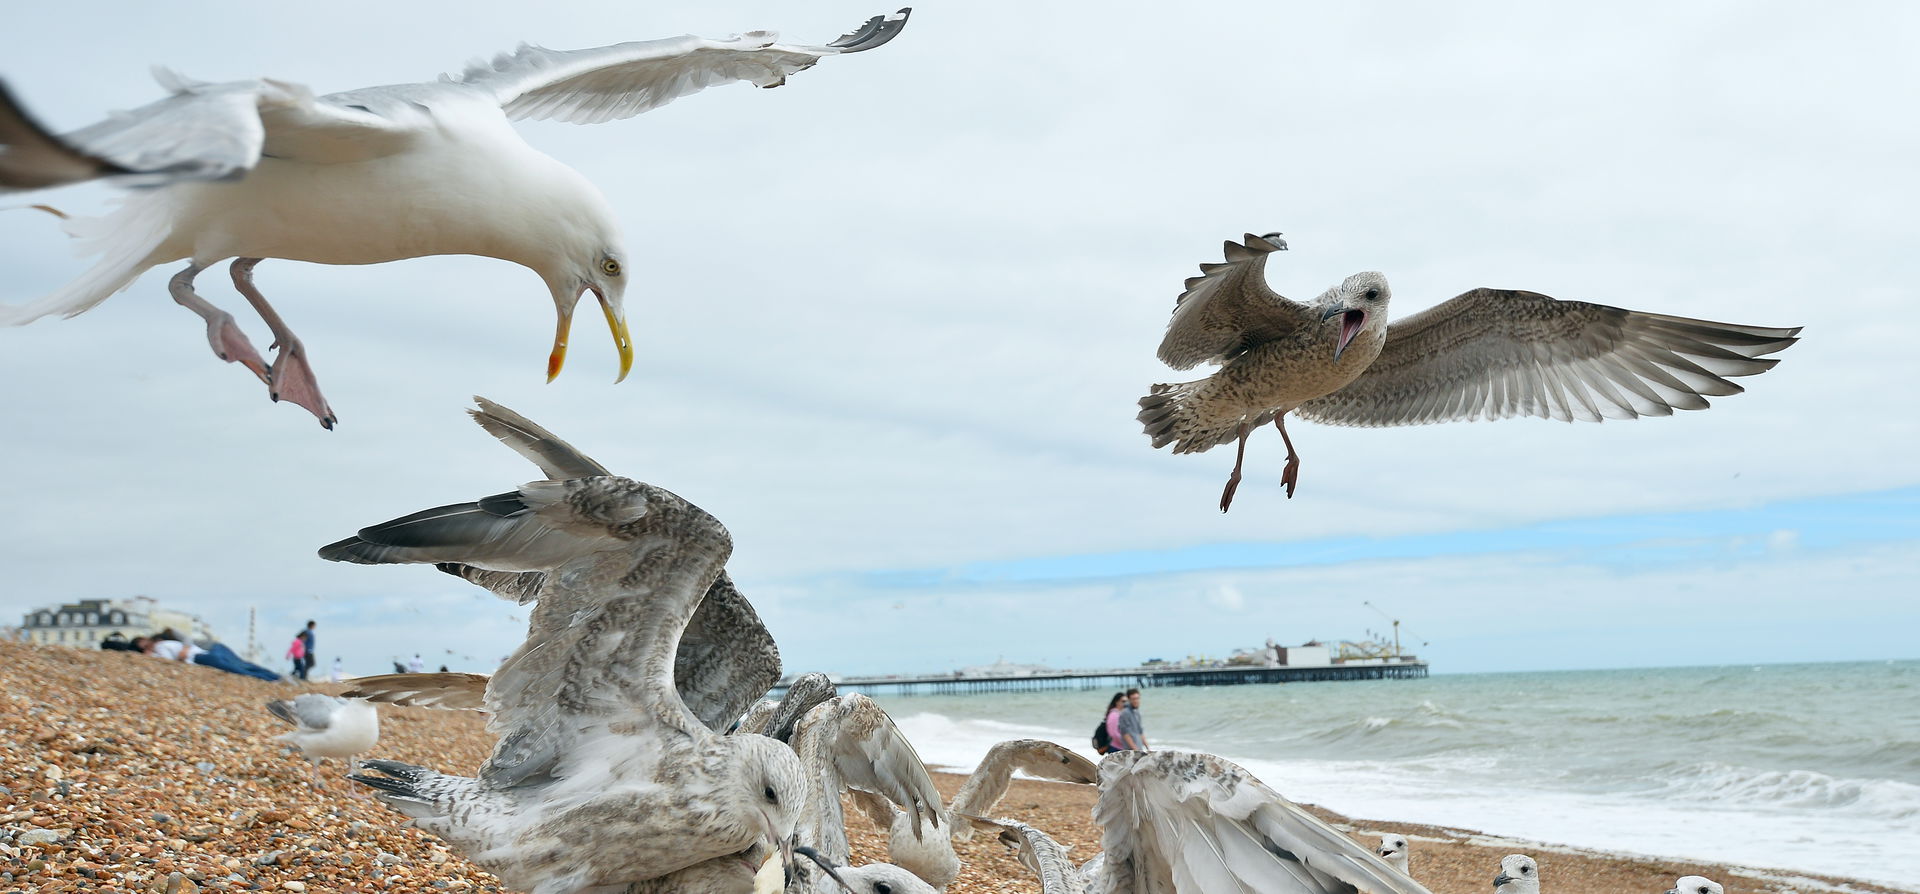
(120, 772)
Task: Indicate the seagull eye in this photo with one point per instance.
(771, 797)
(882, 888)
(1373, 294)
(610, 267)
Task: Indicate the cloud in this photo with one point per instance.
(895, 314)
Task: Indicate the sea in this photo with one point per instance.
(1807, 767)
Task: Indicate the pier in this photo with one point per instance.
(1125, 678)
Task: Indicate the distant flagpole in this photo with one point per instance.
(253, 635)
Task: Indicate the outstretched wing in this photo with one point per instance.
(628, 564)
(726, 659)
(1035, 757)
(557, 459)
(1493, 353)
(626, 79)
(1180, 821)
(435, 690)
(849, 742)
(202, 131)
(1229, 308)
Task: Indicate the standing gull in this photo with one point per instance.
(265, 169)
(602, 775)
(1486, 354)
(327, 726)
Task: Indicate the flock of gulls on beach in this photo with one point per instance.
(635, 751)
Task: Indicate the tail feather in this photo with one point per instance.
(126, 242)
(1169, 416)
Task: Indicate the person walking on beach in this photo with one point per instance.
(297, 653)
(1106, 738)
(339, 670)
(306, 664)
(1132, 736)
(417, 665)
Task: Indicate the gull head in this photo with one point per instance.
(1518, 875)
(770, 790)
(1393, 849)
(1354, 306)
(603, 273)
(567, 234)
(883, 878)
(1694, 884)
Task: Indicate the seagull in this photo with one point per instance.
(926, 850)
(602, 774)
(848, 742)
(1485, 354)
(1393, 849)
(263, 168)
(1518, 875)
(328, 726)
(1693, 884)
(1185, 821)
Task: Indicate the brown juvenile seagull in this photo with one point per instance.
(1487, 354)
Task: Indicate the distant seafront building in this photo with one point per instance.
(87, 622)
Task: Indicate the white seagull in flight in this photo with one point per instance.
(261, 168)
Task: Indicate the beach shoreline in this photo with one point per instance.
(123, 772)
(1447, 860)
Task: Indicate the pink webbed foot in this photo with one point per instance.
(291, 379)
(1291, 477)
(232, 345)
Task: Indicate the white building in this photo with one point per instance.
(87, 622)
(1309, 655)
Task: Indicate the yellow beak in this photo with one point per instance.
(615, 322)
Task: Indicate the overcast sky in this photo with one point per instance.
(891, 320)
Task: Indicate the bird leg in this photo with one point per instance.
(313, 781)
(1291, 477)
(291, 377)
(353, 790)
(1233, 480)
(229, 343)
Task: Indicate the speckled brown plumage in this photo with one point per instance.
(1486, 354)
(602, 774)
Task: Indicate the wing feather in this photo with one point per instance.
(1036, 757)
(1228, 307)
(1493, 353)
(1175, 821)
(619, 81)
(429, 690)
(556, 458)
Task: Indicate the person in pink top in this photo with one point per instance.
(1114, 705)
